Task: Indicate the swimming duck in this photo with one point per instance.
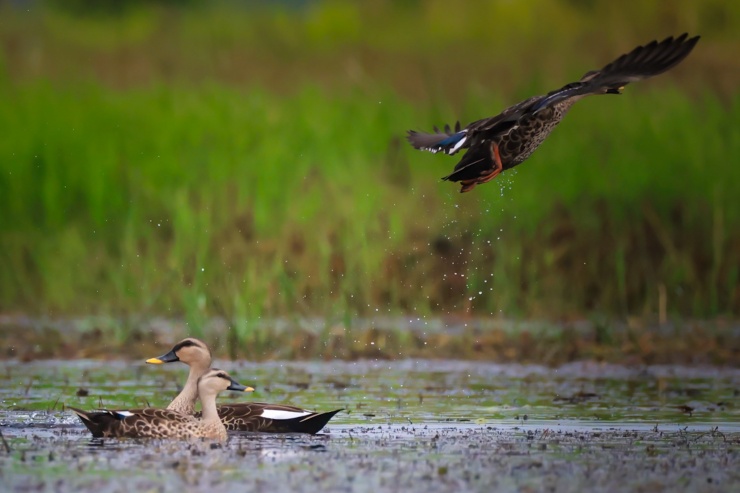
(246, 416)
(167, 423)
(501, 142)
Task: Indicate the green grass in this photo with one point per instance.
(211, 201)
(252, 164)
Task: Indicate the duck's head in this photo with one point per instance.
(191, 351)
(215, 381)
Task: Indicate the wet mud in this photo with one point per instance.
(428, 458)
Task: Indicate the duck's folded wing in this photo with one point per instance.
(261, 409)
(272, 418)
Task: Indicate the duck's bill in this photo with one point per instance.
(165, 358)
(237, 387)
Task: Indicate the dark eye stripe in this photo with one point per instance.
(185, 343)
(220, 373)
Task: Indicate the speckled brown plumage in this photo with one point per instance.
(148, 423)
(247, 416)
(501, 142)
(166, 423)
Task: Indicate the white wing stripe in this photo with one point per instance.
(458, 145)
(280, 414)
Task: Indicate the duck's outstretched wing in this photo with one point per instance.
(641, 63)
(447, 140)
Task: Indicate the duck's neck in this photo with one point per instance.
(185, 400)
(210, 412)
(209, 420)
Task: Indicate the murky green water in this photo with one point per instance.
(400, 392)
(408, 426)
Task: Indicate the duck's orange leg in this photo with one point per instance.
(468, 185)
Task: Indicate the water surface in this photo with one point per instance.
(407, 426)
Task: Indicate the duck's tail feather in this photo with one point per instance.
(96, 422)
(312, 424)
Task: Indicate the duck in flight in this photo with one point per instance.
(501, 142)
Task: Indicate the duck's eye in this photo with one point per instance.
(221, 375)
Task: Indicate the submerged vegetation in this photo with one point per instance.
(245, 164)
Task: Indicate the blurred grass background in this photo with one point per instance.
(247, 159)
